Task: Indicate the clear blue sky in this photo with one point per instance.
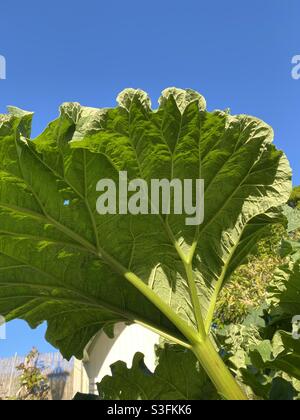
(237, 53)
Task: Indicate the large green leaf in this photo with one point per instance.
(62, 262)
(269, 367)
(293, 217)
(178, 376)
(290, 249)
(281, 354)
(284, 291)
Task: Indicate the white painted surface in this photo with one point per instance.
(103, 351)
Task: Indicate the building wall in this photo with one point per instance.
(104, 351)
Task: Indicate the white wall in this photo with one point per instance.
(103, 351)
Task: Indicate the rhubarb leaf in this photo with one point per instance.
(62, 262)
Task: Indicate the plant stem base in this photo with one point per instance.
(218, 372)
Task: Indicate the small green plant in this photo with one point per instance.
(63, 262)
(33, 384)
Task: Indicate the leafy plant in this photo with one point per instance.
(263, 352)
(247, 289)
(264, 357)
(33, 384)
(63, 262)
